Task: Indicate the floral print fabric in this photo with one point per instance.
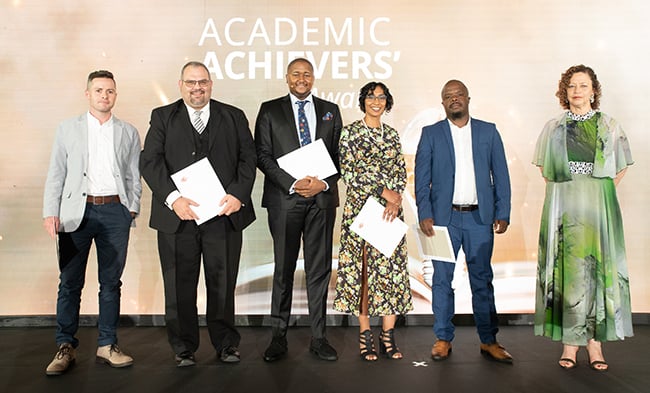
(371, 160)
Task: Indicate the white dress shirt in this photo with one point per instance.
(101, 157)
(465, 181)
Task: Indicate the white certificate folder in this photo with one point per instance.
(310, 160)
(436, 247)
(199, 182)
(381, 234)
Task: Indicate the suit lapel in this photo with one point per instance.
(214, 123)
(118, 133)
(475, 143)
(287, 110)
(182, 117)
(83, 137)
(318, 109)
(450, 141)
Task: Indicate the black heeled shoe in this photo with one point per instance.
(596, 365)
(367, 346)
(387, 346)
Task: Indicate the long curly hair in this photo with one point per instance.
(368, 89)
(563, 85)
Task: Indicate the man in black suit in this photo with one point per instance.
(298, 207)
(181, 134)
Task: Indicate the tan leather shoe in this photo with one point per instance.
(113, 356)
(496, 352)
(63, 360)
(441, 350)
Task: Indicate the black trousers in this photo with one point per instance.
(219, 246)
(288, 227)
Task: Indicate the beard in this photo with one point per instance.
(455, 115)
(200, 100)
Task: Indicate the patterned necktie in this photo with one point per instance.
(303, 125)
(198, 123)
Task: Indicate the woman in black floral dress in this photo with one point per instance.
(372, 165)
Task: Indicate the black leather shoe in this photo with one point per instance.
(229, 354)
(321, 348)
(276, 350)
(185, 359)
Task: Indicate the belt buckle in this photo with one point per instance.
(98, 198)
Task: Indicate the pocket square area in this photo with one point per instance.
(328, 116)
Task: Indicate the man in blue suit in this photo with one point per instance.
(462, 182)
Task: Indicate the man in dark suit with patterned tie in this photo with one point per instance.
(180, 134)
(298, 208)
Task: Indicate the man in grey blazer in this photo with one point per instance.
(462, 182)
(92, 192)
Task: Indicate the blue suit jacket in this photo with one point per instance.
(435, 170)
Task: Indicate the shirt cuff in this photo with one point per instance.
(171, 198)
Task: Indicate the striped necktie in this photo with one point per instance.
(198, 123)
(303, 125)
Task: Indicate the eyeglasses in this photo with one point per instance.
(201, 83)
(372, 97)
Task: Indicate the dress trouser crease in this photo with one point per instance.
(315, 227)
(218, 246)
(477, 241)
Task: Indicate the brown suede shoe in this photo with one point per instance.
(496, 352)
(63, 360)
(441, 350)
(113, 356)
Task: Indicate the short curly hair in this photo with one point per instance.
(368, 89)
(563, 85)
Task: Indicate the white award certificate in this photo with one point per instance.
(310, 160)
(381, 234)
(436, 247)
(200, 183)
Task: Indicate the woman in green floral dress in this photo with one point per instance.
(583, 295)
(372, 165)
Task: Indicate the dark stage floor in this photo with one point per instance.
(27, 351)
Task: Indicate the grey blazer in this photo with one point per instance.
(67, 184)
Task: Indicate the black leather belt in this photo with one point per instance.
(103, 200)
(464, 208)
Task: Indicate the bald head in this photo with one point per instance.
(455, 100)
(454, 82)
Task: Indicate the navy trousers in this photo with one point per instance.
(477, 241)
(109, 226)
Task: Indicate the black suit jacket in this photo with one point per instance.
(276, 135)
(169, 147)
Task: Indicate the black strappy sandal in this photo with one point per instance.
(367, 348)
(387, 346)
